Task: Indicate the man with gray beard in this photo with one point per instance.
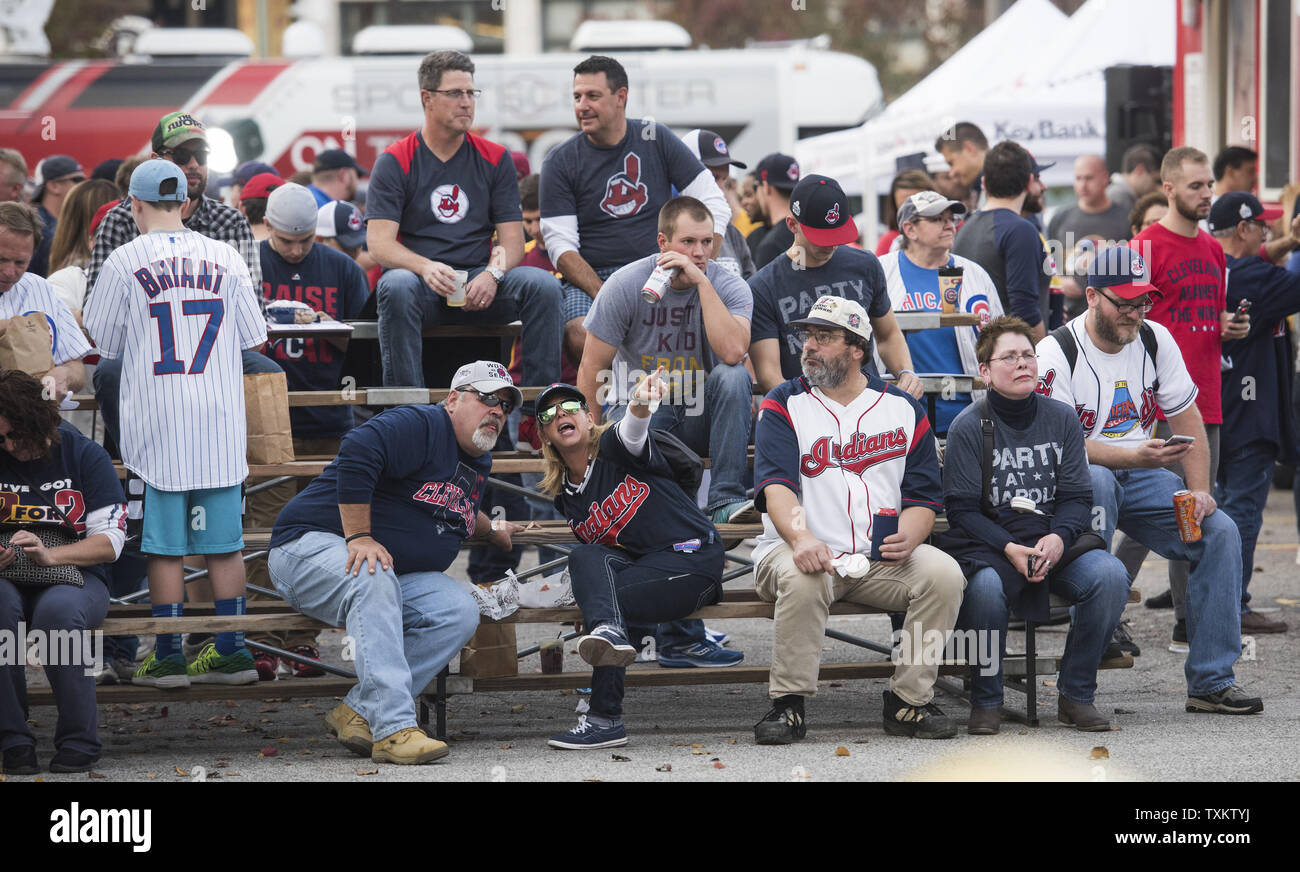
(399, 498)
(847, 477)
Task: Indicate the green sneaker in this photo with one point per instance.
(213, 668)
(169, 672)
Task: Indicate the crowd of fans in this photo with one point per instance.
(625, 262)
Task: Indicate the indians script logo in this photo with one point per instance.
(449, 203)
(606, 519)
(833, 216)
(625, 193)
(860, 452)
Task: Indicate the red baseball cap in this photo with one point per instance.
(260, 186)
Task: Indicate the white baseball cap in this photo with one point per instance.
(291, 209)
(488, 377)
(831, 311)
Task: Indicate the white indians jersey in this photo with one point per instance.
(844, 462)
(34, 294)
(1116, 395)
(177, 307)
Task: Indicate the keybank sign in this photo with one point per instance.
(1045, 128)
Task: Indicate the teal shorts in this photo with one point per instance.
(177, 523)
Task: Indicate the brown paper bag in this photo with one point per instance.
(491, 653)
(266, 405)
(25, 344)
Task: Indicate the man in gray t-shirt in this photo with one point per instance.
(698, 332)
(1094, 215)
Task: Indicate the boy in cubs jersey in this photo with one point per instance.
(179, 307)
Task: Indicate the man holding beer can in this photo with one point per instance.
(1115, 369)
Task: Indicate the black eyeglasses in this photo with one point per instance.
(571, 407)
(491, 400)
(822, 337)
(459, 93)
(182, 156)
(1128, 308)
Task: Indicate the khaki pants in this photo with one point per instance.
(927, 586)
(260, 510)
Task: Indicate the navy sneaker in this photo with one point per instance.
(606, 645)
(586, 736)
(698, 654)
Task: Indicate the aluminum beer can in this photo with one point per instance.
(1185, 515)
(885, 524)
(654, 288)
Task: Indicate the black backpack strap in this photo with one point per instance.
(1149, 340)
(1065, 339)
(986, 462)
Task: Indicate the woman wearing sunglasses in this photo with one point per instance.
(650, 554)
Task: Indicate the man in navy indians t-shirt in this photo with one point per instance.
(602, 190)
(786, 288)
(434, 201)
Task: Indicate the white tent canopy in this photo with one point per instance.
(1038, 83)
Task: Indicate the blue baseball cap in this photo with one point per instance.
(158, 181)
(246, 171)
(1121, 270)
(341, 220)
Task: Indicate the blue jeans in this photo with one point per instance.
(1141, 503)
(1245, 478)
(406, 306)
(1095, 582)
(107, 381)
(404, 628)
(719, 430)
(612, 587)
(59, 607)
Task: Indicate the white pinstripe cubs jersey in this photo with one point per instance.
(844, 462)
(177, 307)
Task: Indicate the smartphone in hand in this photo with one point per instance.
(1179, 440)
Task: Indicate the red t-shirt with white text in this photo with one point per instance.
(1189, 274)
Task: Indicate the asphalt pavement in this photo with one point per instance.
(705, 733)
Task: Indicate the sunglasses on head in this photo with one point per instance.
(181, 156)
(572, 407)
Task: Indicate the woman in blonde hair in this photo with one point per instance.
(70, 248)
(650, 554)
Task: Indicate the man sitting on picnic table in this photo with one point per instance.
(398, 500)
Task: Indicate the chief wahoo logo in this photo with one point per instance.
(625, 193)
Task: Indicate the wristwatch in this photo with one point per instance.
(497, 274)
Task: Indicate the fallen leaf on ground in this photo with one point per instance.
(181, 772)
(696, 745)
(619, 758)
(1124, 711)
(666, 767)
(367, 771)
(506, 747)
(230, 703)
(860, 741)
(93, 774)
(517, 708)
(731, 741)
(232, 774)
(1099, 753)
(841, 751)
(268, 751)
(697, 752)
(719, 765)
(283, 741)
(1049, 682)
(151, 775)
(591, 779)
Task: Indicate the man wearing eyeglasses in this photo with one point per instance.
(1257, 389)
(445, 192)
(182, 139)
(1123, 371)
(1188, 271)
(367, 546)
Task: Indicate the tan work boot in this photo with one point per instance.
(350, 729)
(408, 746)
